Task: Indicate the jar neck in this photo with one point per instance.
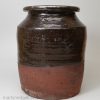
(32, 14)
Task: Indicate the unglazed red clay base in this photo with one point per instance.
(51, 83)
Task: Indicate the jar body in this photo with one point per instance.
(51, 51)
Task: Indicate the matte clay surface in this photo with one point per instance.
(51, 82)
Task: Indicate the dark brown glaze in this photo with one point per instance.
(51, 47)
(51, 37)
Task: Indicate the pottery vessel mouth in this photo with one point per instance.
(52, 8)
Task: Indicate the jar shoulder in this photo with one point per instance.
(50, 22)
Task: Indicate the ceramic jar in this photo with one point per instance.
(51, 49)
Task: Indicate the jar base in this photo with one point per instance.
(51, 83)
(45, 96)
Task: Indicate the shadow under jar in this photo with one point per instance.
(51, 48)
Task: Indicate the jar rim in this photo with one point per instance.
(52, 8)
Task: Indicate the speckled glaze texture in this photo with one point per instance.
(51, 48)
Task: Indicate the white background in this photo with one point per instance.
(11, 15)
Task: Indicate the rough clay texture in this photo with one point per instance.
(51, 83)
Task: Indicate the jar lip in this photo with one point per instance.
(52, 8)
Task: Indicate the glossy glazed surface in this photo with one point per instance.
(51, 39)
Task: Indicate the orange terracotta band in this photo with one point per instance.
(51, 82)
